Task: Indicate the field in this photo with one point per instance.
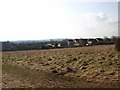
(81, 67)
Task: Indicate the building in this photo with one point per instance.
(83, 42)
(100, 41)
(70, 43)
(91, 42)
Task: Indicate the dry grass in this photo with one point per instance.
(94, 66)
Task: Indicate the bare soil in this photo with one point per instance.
(81, 67)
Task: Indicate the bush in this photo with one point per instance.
(117, 43)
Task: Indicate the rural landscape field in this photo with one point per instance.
(79, 67)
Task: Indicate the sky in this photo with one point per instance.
(53, 19)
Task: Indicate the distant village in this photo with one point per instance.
(68, 43)
(52, 44)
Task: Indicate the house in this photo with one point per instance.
(91, 42)
(82, 42)
(76, 42)
(70, 43)
(59, 45)
(100, 41)
(50, 44)
(53, 44)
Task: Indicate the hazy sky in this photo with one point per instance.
(49, 19)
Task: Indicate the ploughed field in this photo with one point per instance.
(93, 66)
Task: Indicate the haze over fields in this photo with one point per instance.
(50, 19)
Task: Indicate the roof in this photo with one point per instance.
(99, 38)
(92, 40)
(77, 39)
(70, 40)
(84, 39)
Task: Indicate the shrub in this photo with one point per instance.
(117, 43)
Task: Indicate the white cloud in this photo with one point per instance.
(97, 25)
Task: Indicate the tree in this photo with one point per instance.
(113, 39)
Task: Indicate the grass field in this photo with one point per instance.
(93, 66)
